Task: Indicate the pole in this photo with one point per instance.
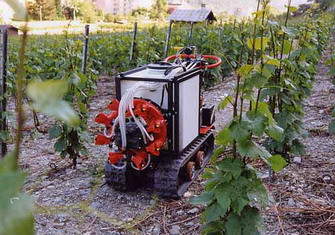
(3, 87)
(85, 49)
(168, 36)
(191, 33)
(41, 18)
(133, 43)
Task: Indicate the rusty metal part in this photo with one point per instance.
(199, 159)
(190, 170)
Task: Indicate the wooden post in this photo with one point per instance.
(133, 43)
(191, 33)
(85, 49)
(3, 79)
(168, 36)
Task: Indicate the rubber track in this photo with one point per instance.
(116, 177)
(167, 177)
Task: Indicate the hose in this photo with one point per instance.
(120, 167)
(127, 103)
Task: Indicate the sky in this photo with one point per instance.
(245, 6)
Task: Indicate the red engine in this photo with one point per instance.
(139, 146)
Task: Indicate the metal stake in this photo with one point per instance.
(191, 33)
(85, 49)
(168, 36)
(133, 43)
(3, 87)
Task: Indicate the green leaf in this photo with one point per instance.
(260, 44)
(18, 217)
(213, 228)
(61, 110)
(292, 8)
(240, 130)
(8, 163)
(204, 198)
(258, 14)
(257, 80)
(258, 122)
(245, 224)
(247, 149)
(224, 137)
(20, 11)
(10, 185)
(222, 196)
(232, 165)
(290, 31)
(298, 148)
(15, 208)
(266, 71)
(275, 132)
(225, 102)
(263, 153)
(82, 107)
(264, 108)
(55, 132)
(212, 183)
(47, 98)
(277, 162)
(233, 225)
(238, 203)
(245, 70)
(217, 153)
(208, 173)
(258, 193)
(251, 221)
(213, 212)
(287, 47)
(271, 60)
(331, 127)
(60, 145)
(42, 91)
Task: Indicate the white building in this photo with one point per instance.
(115, 7)
(142, 4)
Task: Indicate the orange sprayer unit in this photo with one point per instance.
(158, 129)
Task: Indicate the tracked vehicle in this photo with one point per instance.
(159, 130)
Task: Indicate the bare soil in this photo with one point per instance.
(77, 201)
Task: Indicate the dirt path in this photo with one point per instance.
(305, 198)
(77, 201)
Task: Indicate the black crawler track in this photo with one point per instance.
(120, 179)
(166, 177)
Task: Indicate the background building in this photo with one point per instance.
(115, 7)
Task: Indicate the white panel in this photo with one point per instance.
(188, 111)
(149, 73)
(155, 96)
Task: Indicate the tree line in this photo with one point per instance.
(86, 10)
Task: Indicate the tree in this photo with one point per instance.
(324, 4)
(142, 11)
(58, 4)
(87, 11)
(159, 10)
(42, 9)
(83, 9)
